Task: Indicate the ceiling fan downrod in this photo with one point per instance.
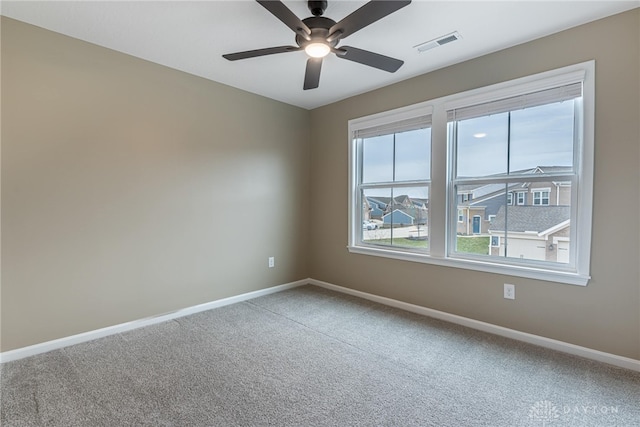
(317, 7)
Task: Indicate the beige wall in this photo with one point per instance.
(605, 314)
(130, 189)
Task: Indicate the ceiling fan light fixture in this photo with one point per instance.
(317, 50)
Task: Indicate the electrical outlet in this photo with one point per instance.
(272, 261)
(509, 291)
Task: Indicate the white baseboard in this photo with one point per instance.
(600, 356)
(44, 347)
(588, 353)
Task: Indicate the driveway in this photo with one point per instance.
(385, 233)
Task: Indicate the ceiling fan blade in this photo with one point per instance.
(284, 14)
(260, 52)
(367, 14)
(371, 59)
(312, 74)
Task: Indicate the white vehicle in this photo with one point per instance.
(368, 225)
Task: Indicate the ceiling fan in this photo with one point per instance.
(318, 36)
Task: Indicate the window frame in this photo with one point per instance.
(541, 198)
(510, 198)
(355, 209)
(442, 217)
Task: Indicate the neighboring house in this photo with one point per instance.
(401, 216)
(376, 211)
(400, 211)
(533, 232)
(478, 205)
(398, 217)
(375, 207)
(403, 200)
(474, 215)
(420, 203)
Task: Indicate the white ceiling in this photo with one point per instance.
(191, 36)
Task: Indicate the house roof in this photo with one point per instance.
(397, 200)
(530, 218)
(493, 190)
(418, 201)
(483, 192)
(551, 169)
(379, 199)
(401, 211)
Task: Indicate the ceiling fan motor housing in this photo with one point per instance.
(319, 26)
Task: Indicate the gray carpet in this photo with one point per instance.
(313, 357)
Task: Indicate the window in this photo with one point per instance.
(531, 137)
(528, 139)
(393, 171)
(541, 198)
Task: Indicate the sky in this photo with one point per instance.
(412, 161)
(540, 136)
(412, 157)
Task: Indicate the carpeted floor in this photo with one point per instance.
(313, 357)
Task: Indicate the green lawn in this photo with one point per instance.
(473, 245)
(466, 244)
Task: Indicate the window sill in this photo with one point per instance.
(569, 278)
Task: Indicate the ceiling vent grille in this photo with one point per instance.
(422, 47)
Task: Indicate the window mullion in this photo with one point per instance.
(506, 189)
(509, 143)
(439, 185)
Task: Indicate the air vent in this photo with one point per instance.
(438, 42)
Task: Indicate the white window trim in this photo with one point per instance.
(510, 198)
(439, 172)
(540, 190)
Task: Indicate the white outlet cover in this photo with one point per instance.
(509, 291)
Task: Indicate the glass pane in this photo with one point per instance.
(488, 225)
(377, 159)
(482, 146)
(396, 217)
(542, 137)
(413, 155)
